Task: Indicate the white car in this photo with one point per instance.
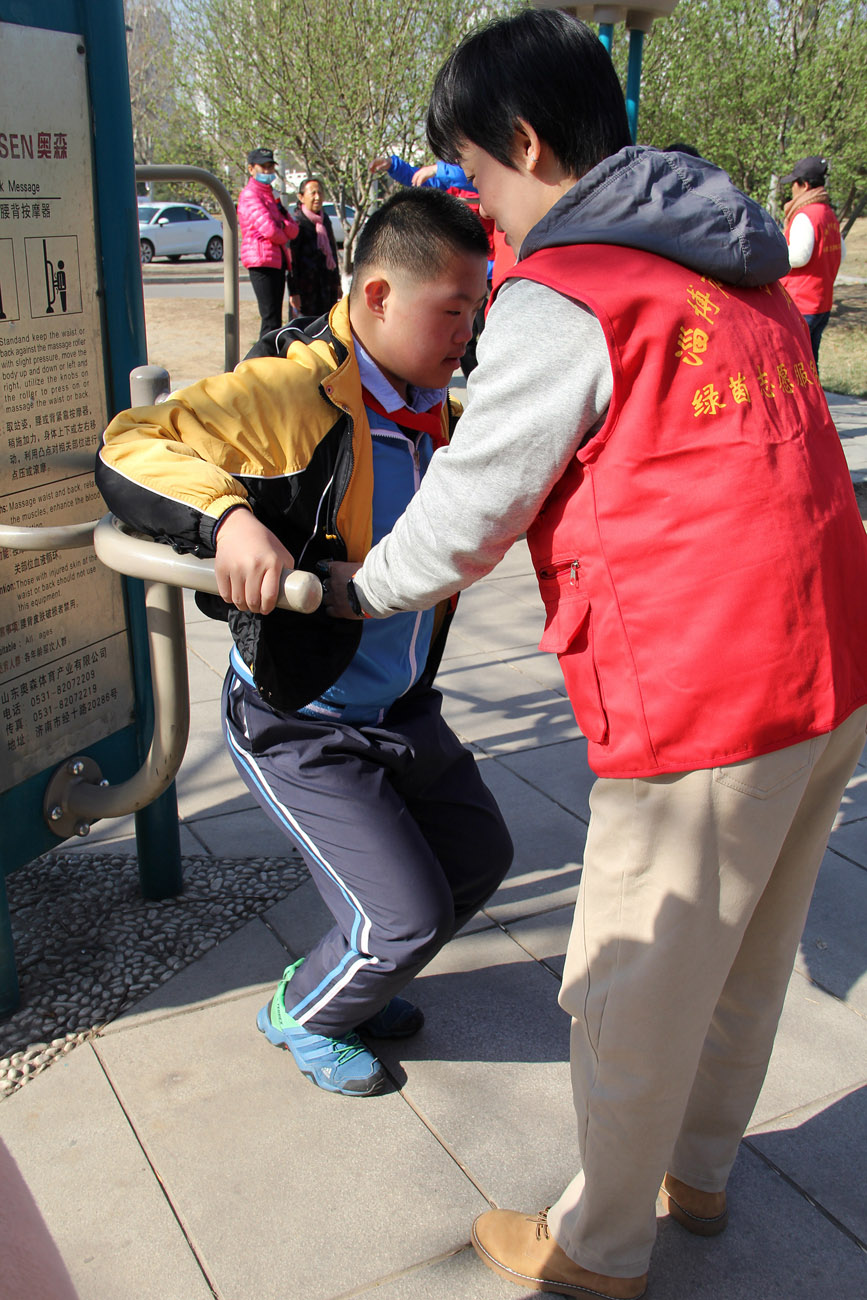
(174, 229)
(332, 212)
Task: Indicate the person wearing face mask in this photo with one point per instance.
(266, 229)
(314, 279)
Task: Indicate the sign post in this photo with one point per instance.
(73, 662)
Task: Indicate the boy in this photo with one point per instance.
(300, 457)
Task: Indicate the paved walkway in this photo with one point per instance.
(179, 1157)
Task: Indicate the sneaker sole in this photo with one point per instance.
(366, 1088)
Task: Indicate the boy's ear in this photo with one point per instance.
(375, 292)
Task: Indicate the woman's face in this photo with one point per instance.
(515, 197)
(311, 196)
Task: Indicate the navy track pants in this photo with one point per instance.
(402, 837)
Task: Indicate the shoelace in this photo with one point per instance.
(348, 1048)
(542, 1228)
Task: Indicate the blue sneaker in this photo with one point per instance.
(341, 1065)
(397, 1019)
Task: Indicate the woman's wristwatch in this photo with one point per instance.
(354, 602)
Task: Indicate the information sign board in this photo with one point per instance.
(65, 679)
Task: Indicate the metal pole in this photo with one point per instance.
(606, 35)
(231, 292)
(633, 80)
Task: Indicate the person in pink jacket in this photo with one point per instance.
(266, 228)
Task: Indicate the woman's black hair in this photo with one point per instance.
(540, 66)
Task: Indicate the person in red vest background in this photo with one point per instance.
(815, 245)
(646, 407)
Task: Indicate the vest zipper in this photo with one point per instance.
(555, 570)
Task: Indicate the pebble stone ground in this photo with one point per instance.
(175, 1156)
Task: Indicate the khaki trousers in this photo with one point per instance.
(693, 897)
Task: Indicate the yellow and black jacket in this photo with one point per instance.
(285, 435)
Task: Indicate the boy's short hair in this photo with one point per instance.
(540, 66)
(418, 231)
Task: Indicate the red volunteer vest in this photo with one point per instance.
(811, 287)
(702, 561)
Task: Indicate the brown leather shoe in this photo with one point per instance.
(520, 1248)
(703, 1213)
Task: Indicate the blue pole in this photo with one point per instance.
(633, 80)
(157, 833)
(606, 35)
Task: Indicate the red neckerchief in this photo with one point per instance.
(429, 422)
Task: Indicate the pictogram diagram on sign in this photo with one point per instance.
(8, 289)
(53, 276)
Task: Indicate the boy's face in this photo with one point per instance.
(417, 330)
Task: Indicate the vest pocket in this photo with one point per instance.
(569, 634)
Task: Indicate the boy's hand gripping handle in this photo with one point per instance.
(140, 557)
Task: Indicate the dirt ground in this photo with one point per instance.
(186, 336)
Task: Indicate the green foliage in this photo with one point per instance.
(756, 84)
(166, 127)
(329, 84)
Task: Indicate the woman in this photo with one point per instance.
(266, 229)
(314, 281)
(644, 408)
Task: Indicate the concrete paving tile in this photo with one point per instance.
(814, 1147)
(539, 667)
(850, 840)
(211, 642)
(247, 833)
(777, 1246)
(487, 702)
(549, 848)
(105, 1209)
(854, 804)
(300, 919)
(489, 1071)
(821, 1049)
(516, 561)
(832, 950)
(205, 683)
(252, 957)
(493, 618)
(561, 772)
(458, 647)
(192, 613)
(460, 1277)
(518, 586)
(546, 936)
(252, 1155)
(208, 781)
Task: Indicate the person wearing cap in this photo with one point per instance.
(266, 228)
(815, 246)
